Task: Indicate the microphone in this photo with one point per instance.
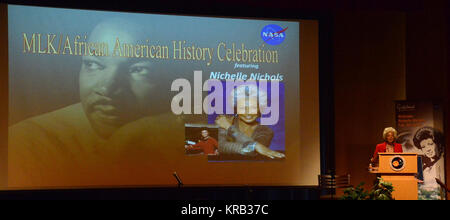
(180, 183)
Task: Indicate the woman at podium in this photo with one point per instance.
(389, 144)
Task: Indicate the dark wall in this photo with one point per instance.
(426, 55)
(369, 72)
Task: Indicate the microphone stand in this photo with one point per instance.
(180, 183)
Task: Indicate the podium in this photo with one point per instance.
(400, 169)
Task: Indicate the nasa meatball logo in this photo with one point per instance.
(273, 34)
(397, 163)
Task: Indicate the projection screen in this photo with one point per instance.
(104, 99)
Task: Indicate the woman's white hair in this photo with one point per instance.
(250, 92)
(389, 130)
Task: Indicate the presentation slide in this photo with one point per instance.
(105, 99)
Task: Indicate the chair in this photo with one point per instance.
(329, 184)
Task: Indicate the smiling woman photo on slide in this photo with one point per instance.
(242, 134)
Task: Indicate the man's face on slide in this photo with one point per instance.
(205, 134)
(114, 90)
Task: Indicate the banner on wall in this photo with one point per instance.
(420, 130)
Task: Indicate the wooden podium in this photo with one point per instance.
(400, 169)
